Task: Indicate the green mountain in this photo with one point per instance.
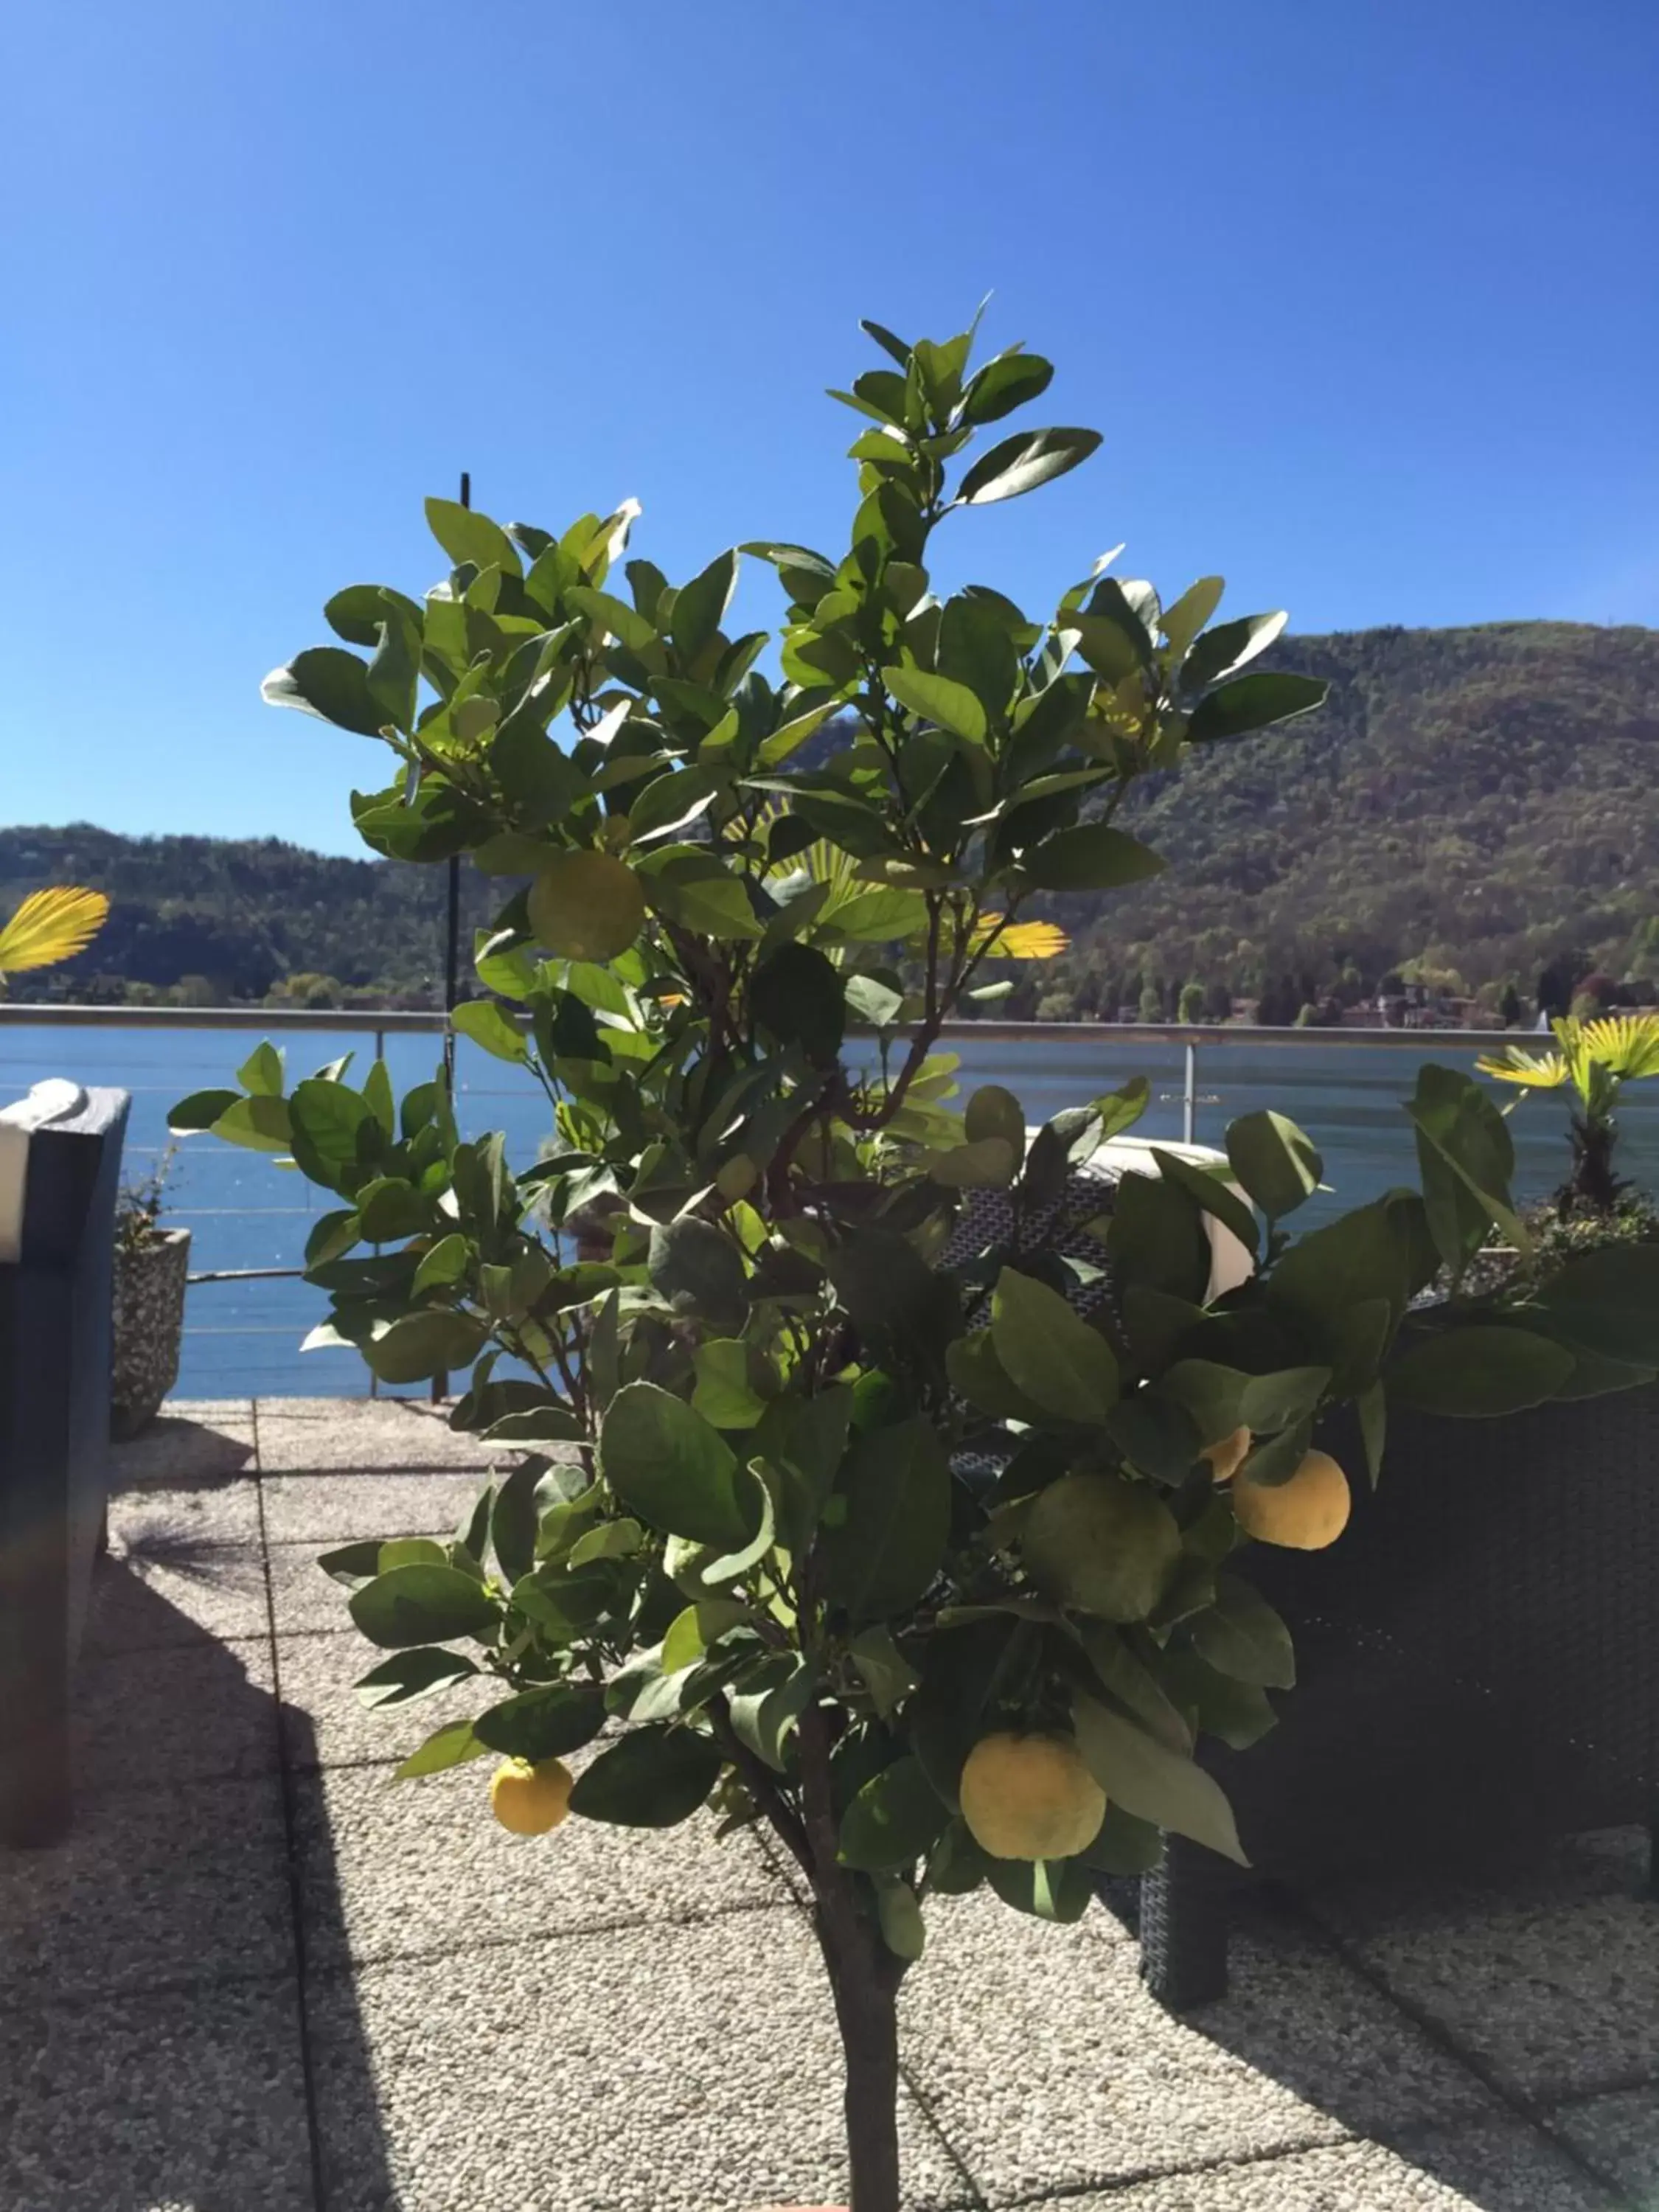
(1477, 802)
(1471, 804)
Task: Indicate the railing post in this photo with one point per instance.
(1189, 1096)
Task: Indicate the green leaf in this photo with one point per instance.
(1004, 383)
(1156, 1240)
(699, 1270)
(445, 1263)
(1476, 1372)
(545, 1722)
(489, 1026)
(1253, 703)
(327, 681)
(409, 1675)
(424, 1604)
(798, 994)
(667, 1464)
(1241, 1636)
(652, 1777)
(1225, 649)
(899, 1914)
(450, 1746)
(1187, 615)
(765, 1708)
(262, 1071)
(1467, 1157)
(201, 1110)
(1020, 464)
(801, 1442)
(1214, 1196)
(421, 1344)
(1146, 1778)
(882, 1553)
(724, 1394)
(894, 1820)
(466, 536)
(332, 1132)
(1060, 1890)
(938, 699)
(1051, 1353)
(699, 605)
(882, 1668)
(755, 1502)
(264, 1124)
(1276, 1162)
(1092, 857)
(390, 1209)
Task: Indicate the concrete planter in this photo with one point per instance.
(149, 1322)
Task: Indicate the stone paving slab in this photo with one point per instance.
(178, 1594)
(1504, 2167)
(1619, 2135)
(1122, 2088)
(654, 2069)
(322, 1510)
(194, 1441)
(189, 2102)
(306, 1602)
(171, 1886)
(384, 1864)
(324, 1724)
(388, 1434)
(1553, 2001)
(151, 1717)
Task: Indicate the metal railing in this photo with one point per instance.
(1088, 1040)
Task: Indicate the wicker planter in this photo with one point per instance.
(150, 1320)
(1479, 1664)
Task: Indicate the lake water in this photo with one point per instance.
(244, 1337)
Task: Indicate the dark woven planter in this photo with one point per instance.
(1478, 1665)
(149, 1322)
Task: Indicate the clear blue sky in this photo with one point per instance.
(1362, 295)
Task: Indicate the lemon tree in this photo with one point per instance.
(933, 1569)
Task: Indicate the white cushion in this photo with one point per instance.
(55, 1100)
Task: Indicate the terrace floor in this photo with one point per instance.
(262, 1977)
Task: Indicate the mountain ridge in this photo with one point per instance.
(1470, 803)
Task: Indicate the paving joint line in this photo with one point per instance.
(1516, 2103)
(1060, 2192)
(692, 1917)
(291, 1855)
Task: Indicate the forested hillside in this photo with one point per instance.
(1470, 805)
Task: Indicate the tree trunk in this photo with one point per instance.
(864, 1978)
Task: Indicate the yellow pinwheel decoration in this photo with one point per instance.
(50, 926)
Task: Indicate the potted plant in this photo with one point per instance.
(1594, 1060)
(1450, 1699)
(152, 1264)
(906, 1560)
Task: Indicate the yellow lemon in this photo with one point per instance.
(1228, 1454)
(1102, 1544)
(1030, 1797)
(1305, 1514)
(530, 1799)
(586, 906)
